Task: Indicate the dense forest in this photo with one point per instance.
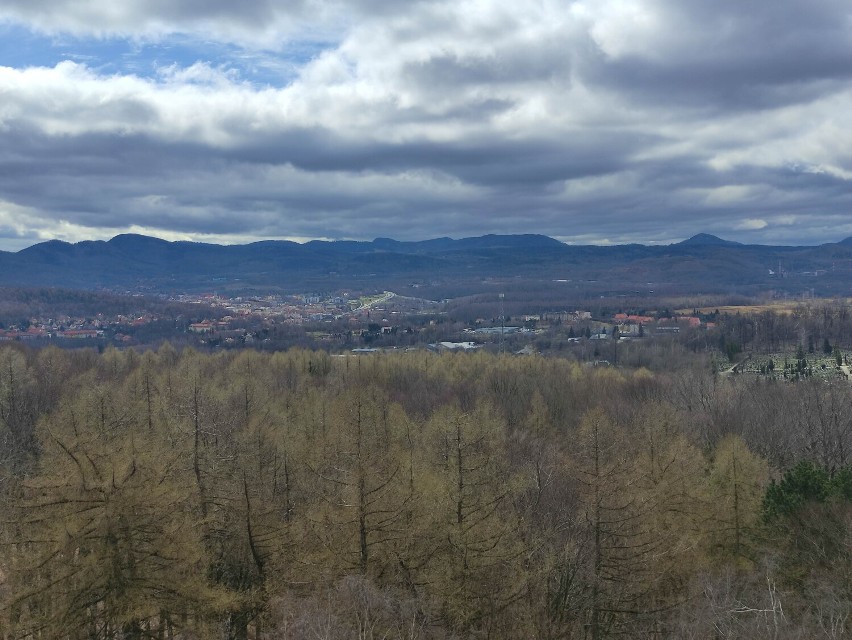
(237, 495)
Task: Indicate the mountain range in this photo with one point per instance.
(703, 263)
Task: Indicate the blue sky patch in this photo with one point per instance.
(21, 48)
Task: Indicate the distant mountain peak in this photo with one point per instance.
(136, 238)
(531, 240)
(129, 262)
(47, 246)
(708, 240)
(386, 242)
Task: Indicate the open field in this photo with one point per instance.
(783, 308)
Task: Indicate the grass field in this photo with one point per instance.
(783, 308)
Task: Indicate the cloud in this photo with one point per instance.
(751, 224)
(621, 120)
(258, 21)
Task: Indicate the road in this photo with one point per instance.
(387, 295)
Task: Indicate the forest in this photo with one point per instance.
(242, 495)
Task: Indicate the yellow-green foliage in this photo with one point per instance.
(170, 494)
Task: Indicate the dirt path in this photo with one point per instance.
(737, 367)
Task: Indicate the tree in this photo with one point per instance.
(107, 543)
(804, 483)
(364, 482)
(640, 514)
(476, 562)
(807, 516)
(736, 484)
(18, 409)
(615, 543)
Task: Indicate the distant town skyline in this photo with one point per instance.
(590, 121)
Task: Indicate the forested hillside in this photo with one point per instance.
(441, 268)
(301, 495)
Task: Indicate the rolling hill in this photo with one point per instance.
(703, 263)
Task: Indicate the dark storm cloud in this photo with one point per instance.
(478, 161)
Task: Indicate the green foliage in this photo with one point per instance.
(732, 350)
(841, 483)
(805, 483)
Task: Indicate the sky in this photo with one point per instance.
(591, 121)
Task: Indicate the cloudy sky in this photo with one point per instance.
(592, 121)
